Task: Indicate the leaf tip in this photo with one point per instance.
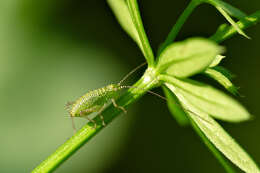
(251, 117)
(234, 90)
(244, 34)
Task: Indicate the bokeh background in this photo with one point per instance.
(53, 51)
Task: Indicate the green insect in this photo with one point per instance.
(96, 100)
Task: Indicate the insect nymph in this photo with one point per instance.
(96, 100)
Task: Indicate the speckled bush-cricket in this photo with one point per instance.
(96, 100)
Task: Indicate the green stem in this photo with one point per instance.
(132, 95)
(223, 161)
(87, 132)
(225, 31)
(176, 28)
(135, 14)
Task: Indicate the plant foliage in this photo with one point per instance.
(190, 102)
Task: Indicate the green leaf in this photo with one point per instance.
(136, 18)
(175, 108)
(222, 79)
(231, 21)
(123, 15)
(178, 59)
(226, 9)
(224, 31)
(216, 61)
(121, 11)
(217, 135)
(232, 11)
(178, 113)
(224, 71)
(209, 99)
(219, 156)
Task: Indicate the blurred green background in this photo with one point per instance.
(53, 51)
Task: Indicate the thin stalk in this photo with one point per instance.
(135, 14)
(176, 28)
(88, 131)
(132, 95)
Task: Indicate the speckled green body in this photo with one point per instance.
(93, 101)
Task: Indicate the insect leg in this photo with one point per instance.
(94, 122)
(101, 116)
(73, 125)
(119, 107)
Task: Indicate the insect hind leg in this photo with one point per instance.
(119, 107)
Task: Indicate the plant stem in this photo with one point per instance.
(88, 131)
(176, 28)
(132, 95)
(135, 14)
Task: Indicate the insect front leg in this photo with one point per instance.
(86, 111)
(73, 125)
(119, 107)
(101, 116)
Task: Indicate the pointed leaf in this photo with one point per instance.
(144, 42)
(232, 11)
(186, 58)
(219, 156)
(232, 22)
(224, 71)
(122, 13)
(221, 79)
(225, 11)
(216, 61)
(175, 108)
(209, 99)
(120, 9)
(217, 135)
(224, 31)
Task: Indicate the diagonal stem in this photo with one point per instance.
(177, 27)
(133, 94)
(87, 132)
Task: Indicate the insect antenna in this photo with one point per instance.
(131, 72)
(177, 104)
(151, 92)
